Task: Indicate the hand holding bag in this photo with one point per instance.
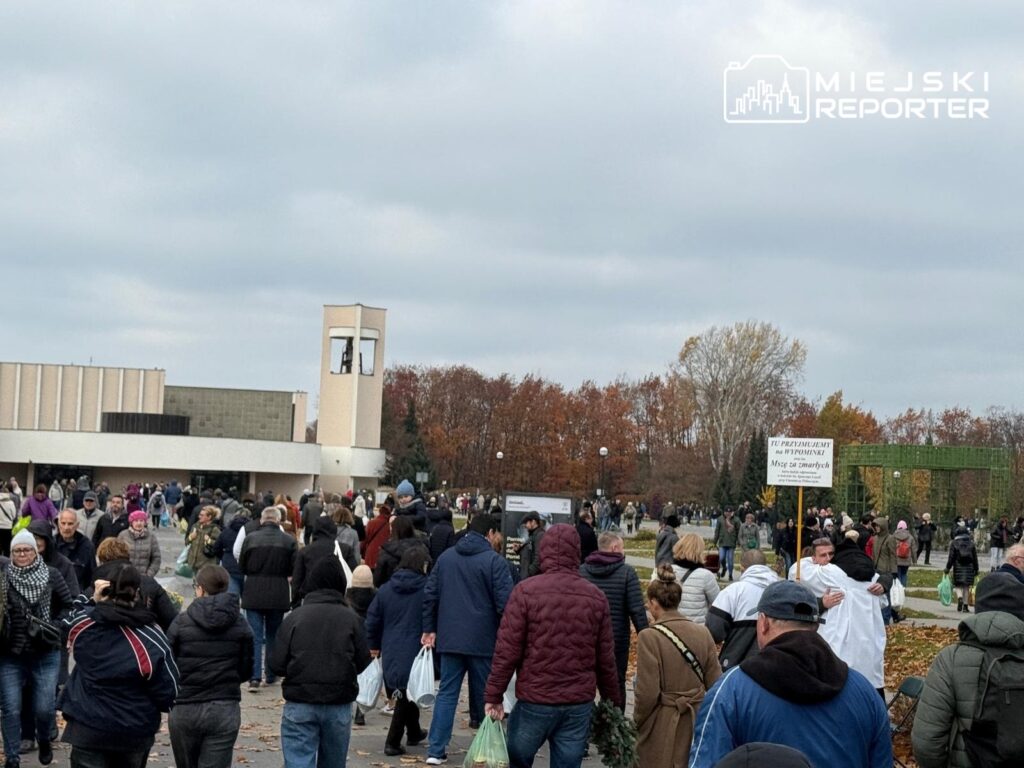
(371, 682)
(897, 595)
(488, 749)
(421, 678)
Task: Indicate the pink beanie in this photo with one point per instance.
(901, 525)
(138, 514)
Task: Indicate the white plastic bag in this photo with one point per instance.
(371, 682)
(897, 595)
(421, 678)
(344, 564)
(508, 701)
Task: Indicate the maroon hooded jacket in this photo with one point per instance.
(556, 632)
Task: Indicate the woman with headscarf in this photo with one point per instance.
(143, 548)
(36, 597)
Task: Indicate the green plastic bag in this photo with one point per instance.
(945, 590)
(488, 749)
(21, 525)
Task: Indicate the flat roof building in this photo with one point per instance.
(122, 425)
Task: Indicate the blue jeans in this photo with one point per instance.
(315, 735)
(264, 625)
(235, 584)
(454, 667)
(903, 571)
(38, 670)
(725, 560)
(564, 726)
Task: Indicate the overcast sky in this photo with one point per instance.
(531, 187)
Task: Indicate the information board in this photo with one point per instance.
(800, 461)
(553, 509)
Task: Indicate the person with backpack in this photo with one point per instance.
(906, 550)
(963, 562)
(969, 712)
(155, 507)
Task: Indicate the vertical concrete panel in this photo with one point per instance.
(69, 398)
(8, 380)
(152, 391)
(48, 397)
(111, 378)
(90, 398)
(130, 391)
(27, 396)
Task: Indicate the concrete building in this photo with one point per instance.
(121, 425)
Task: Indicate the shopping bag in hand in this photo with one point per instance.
(488, 749)
(371, 681)
(421, 678)
(946, 590)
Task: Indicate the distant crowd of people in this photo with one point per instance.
(308, 592)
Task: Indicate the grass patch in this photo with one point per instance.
(923, 594)
(643, 572)
(644, 534)
(923, 577)
(910, 613)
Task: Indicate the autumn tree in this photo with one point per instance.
(742, 377)
(723, 493)
(755, 470)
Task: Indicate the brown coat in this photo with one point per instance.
(668, 692)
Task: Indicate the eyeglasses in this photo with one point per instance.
(22, 550)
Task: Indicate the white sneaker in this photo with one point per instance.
(387, 709)
(437, 760)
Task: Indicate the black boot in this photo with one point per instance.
(45, 752)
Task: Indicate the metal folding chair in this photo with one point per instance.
(909, 689)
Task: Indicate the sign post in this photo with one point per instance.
(800, 461)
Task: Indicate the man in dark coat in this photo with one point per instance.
(320, 652)
(267, 560)
(529, 551)
(212, 645)
(75, 547)
(442, 534)
(585, 529)
(464, 599)
(607, 570)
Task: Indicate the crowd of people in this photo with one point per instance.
(756, 668)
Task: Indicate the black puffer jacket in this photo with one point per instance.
(416, 510)
(608, 572)
(267, 560)
(322, 546)
(391, 555)
(53, 558)
(212, 645)
(320, 651)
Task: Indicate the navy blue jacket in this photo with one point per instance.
(124, 674)
(223, 548)
(465, 597)
(394, 625)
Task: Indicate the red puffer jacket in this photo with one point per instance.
(556, 632)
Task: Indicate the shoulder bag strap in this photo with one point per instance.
(686, 653)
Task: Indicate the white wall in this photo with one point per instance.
(158, 452)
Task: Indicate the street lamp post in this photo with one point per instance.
(604, 471)
(499, 456)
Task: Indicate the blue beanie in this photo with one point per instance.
(405, 488)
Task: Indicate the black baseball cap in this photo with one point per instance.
(788, 601)
(90, 496)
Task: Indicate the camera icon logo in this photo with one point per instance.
(766, 89)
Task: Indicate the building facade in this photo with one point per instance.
(122, 425)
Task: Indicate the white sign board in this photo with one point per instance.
(551, 508)
(803, 461)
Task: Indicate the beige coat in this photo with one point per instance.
(668, 691)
